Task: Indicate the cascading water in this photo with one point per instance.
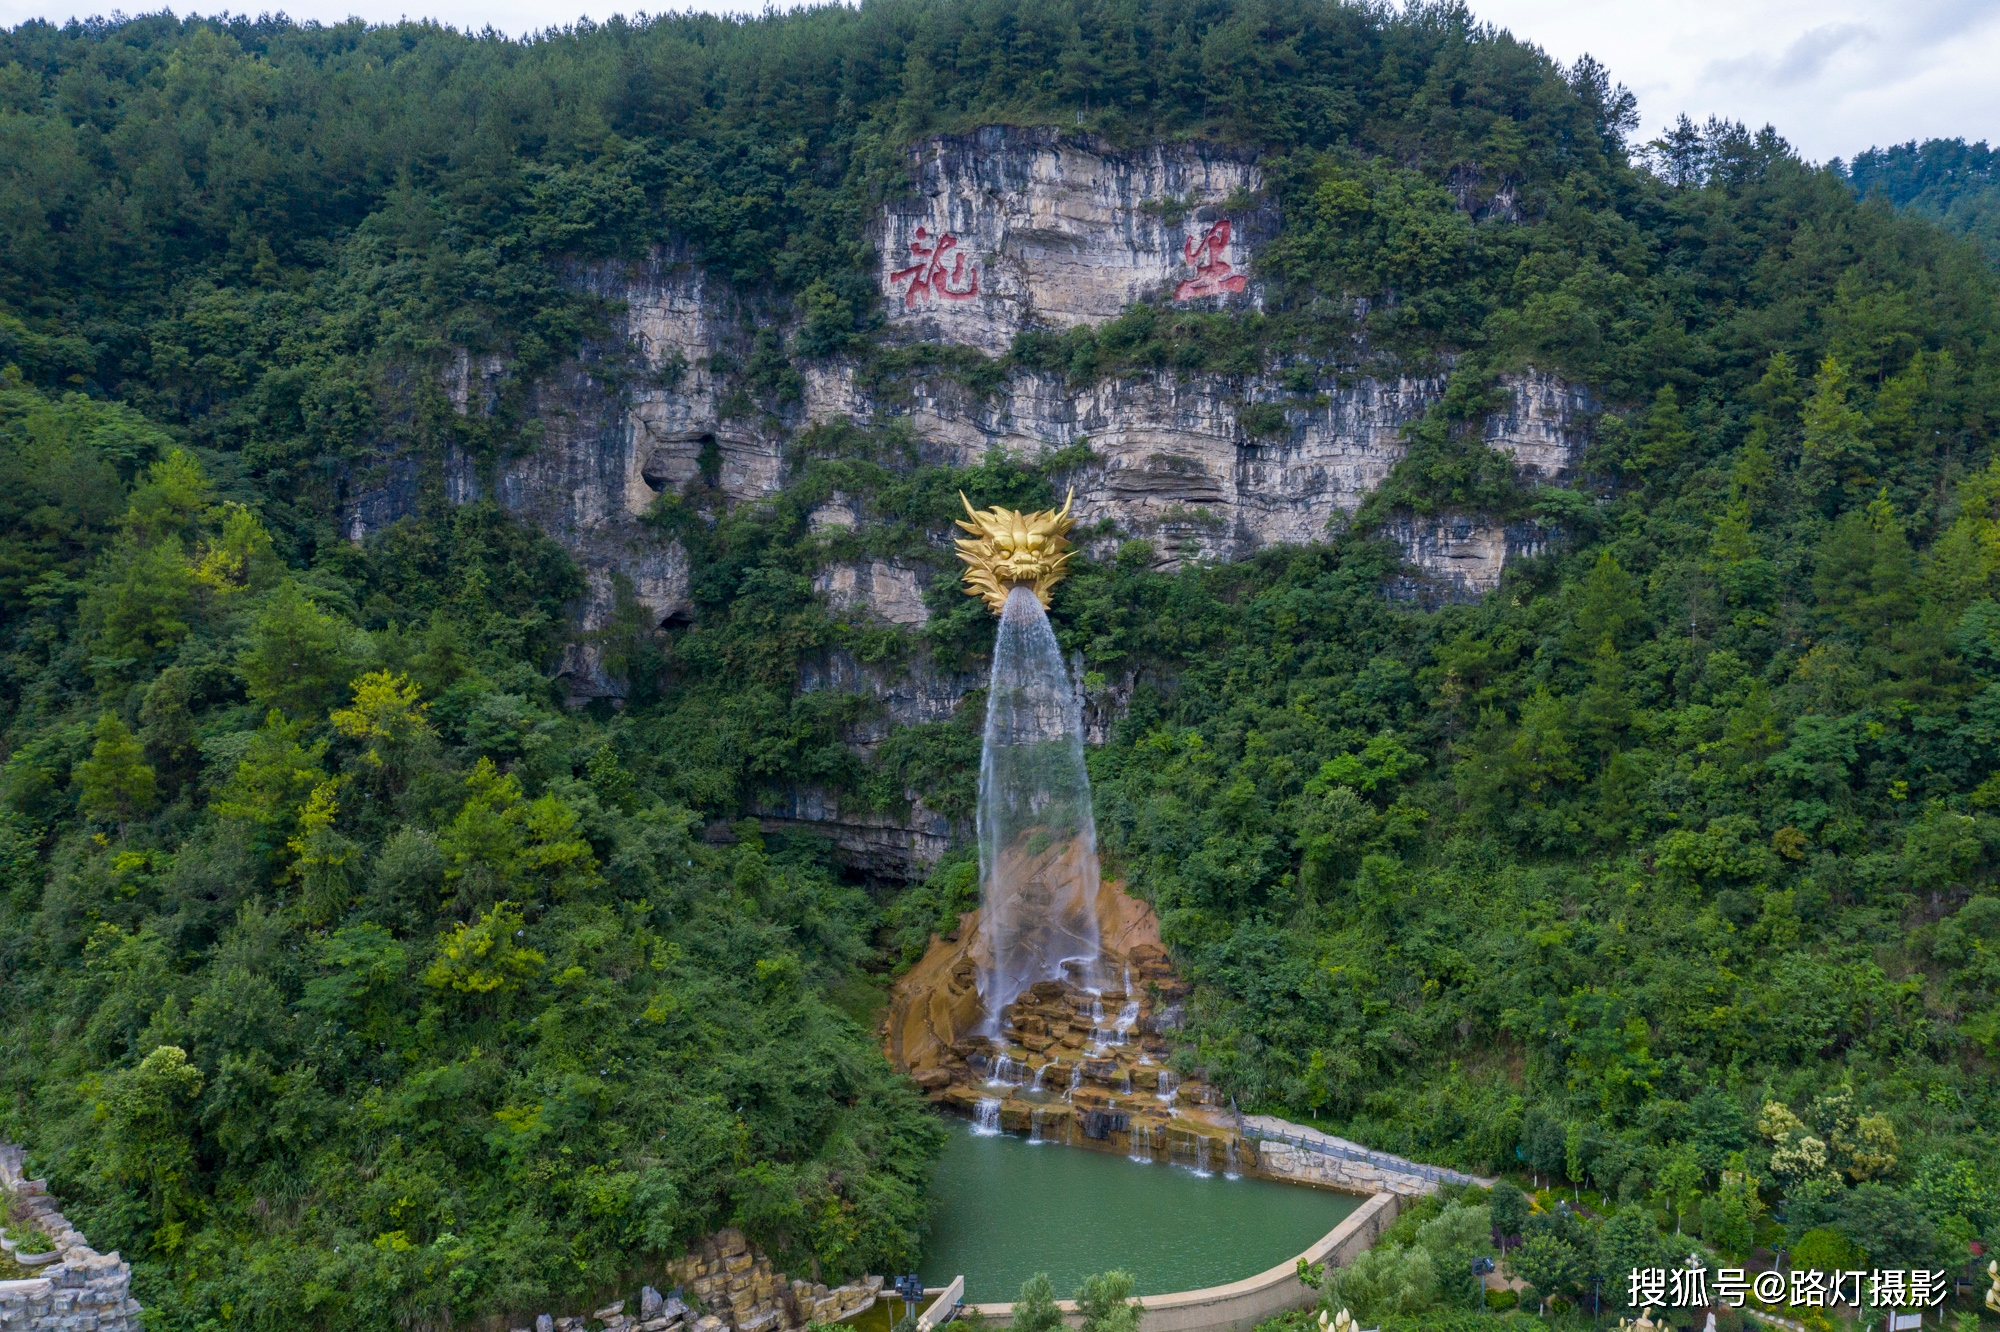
(1008, 1072)
(986, 1117)
(1037, 840)
(1099, 1036)
(1200, 1154)
(1169, 1086)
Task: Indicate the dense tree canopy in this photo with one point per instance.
(1946, 179)
(354, 981)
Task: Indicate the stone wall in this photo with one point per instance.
(1299, 1165)
(83, 1290)
(1340, 1164)
(723, 1284)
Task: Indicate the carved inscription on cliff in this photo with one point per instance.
(1007, 229)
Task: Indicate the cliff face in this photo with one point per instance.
(1009, 229)
(1004, 230)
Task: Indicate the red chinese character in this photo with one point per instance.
(1212, 276)
(929, 277)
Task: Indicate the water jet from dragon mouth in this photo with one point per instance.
(1037, 841)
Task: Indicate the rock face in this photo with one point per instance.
(910, 693)
(1045, 230)
(1547, 427)
(882, 589)
(884, 845)
(1461, 555)
(1174, 463)
(1010, 229)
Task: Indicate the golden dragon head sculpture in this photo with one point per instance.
(1009, 550)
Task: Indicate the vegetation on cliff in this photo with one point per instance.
(352, 981)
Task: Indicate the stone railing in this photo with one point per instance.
(82, 1288)
(723, 1284)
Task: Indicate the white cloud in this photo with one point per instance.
(1804, 60)
(1834, 76)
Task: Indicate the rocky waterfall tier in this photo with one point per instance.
(1079, 1060)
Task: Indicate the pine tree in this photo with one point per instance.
(300, 657)
(117, 784)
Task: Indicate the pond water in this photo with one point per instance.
(1007, 1208)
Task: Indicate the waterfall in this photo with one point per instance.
(1233, 1169)
(1142, 1142)
(1099, 1035)
(1075, 1078)
(1201, 1154)
(1035, 1124)
(1008, 1072)
(1037, 840)
(986, 1119)
(1169, 1086)
(1041, 1073)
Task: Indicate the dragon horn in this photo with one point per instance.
(1068, 500)
(968, 506)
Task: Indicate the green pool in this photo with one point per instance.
(1006, 1208)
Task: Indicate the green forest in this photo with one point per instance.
(354, 981)
(1946, 179)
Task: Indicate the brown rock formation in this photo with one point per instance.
(1082, 1064)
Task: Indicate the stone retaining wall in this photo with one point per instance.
(1342, 1165)
(83, 1291)
(729, 1287)
(1299, 1165)
(1242, 1305)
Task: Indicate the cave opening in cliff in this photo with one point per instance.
(684, 464)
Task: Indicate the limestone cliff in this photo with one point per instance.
(1008, 229)
(1003, 230)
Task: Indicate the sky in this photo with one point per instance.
(1834, 76)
